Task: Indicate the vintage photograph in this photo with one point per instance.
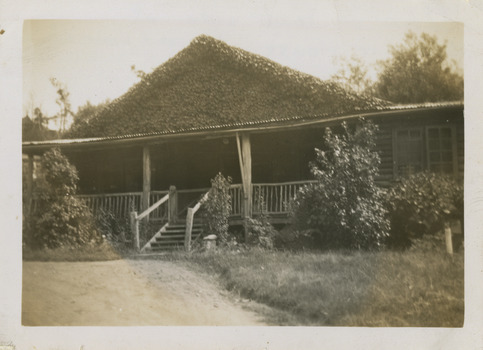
(190, 173)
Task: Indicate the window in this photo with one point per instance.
(417, 149)
(409, 151)
(440, 149)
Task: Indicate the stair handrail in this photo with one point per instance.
(189, 221)
(135, 219)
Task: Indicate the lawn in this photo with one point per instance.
(388, 289)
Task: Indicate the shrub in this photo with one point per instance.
(217, 208)
(420, 204)
(344, 206)
(113, 228)
(61, 219)
(261, 233)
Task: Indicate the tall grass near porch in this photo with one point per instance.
(346, 289)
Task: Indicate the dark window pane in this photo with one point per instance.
(446, 132)
(447, 156)
(402, 133)
(446, 143)
(434, 156)
(415, 134)
(433, 133)
(433, 144)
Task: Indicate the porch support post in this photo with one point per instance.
(245, 157)
(146, 178)
(173, 205)
(30, 184)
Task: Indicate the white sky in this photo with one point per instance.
(94, 58)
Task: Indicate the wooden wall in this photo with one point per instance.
(422, 119)
(276, 156)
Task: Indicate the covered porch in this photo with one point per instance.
(166, 177)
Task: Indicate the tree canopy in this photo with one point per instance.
(35, 128)
(418, 71)
(353, 75)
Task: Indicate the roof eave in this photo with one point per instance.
(227, 130)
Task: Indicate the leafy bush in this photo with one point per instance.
(113, 228)
(61, 219)
(217, 208)
(344, 206)
(260, 232)
(420, 204)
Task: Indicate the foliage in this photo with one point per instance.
(63, 102)
(260, 232)
(84, 115)
(420, 204)
(344, 206)
(217, 208)
(113, 228)
(36, 128)
(61, 219)
(418, 71)
(88, 110)
(353, 75)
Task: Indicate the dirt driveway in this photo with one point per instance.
(126, 293)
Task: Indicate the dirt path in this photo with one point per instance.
(126, 293)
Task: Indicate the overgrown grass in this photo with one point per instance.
(102, 252)
(402, 289)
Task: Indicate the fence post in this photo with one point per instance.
(173, 205)
(189, 228)
(448, 238)
(135, 230)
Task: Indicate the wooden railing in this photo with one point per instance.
(136, 219)
(189, 222)
(236, 193)
(119, 204)
(273, 198)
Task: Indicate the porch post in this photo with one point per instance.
(245, 157)
(146, 178)
(30, 182)
(172, 205)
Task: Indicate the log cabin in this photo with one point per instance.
(216, 108)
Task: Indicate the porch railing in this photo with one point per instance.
(189, 221)
(271, 198)
(119, 204)
(136, 219)
(274, 198)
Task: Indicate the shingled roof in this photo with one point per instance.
(210, 83)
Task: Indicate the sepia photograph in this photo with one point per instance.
(176, 174)
(241, 175)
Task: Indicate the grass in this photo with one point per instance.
(415, 288)
(401, 289)
(102, 252)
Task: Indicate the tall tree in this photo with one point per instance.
(418, 71)
(63, 102)
(353, 75)
(36, 128)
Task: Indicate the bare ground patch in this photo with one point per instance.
(127, 293)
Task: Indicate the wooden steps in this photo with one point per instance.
(172, 237)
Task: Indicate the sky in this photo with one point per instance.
(93, 58)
